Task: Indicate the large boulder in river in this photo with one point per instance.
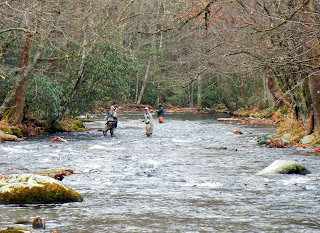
(35, 189)
(285, 167)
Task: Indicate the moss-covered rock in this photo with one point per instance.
(69, 126)
(7, 137)
(15, 230)
(35, 189)
(285, 167)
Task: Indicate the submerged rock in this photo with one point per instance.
(35, 189)
(285, 167)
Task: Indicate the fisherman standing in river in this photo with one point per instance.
(112, 121)
(160, 113)
(148, 120)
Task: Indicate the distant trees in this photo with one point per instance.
(61, 38)
(206, 52)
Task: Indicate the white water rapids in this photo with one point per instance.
(192, 175)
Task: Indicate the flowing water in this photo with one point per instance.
(192, 175)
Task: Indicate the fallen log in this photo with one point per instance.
(229, 119)
(57, 174)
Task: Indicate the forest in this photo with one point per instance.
(65, 58)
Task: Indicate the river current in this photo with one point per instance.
(192, 175)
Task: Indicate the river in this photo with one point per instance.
(192, 175)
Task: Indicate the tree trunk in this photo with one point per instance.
(313, 49)
(314, 85)
(199, 91)
(144, 84)
(275, 91)
(18, 88)
(78, 82)
(20, 94)
(310, 123)
(244, 93)
(151, 58)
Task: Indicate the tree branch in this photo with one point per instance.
(285, 20)
(206, 9)
(16, 29)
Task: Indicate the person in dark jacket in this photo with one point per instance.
(111, 123)
(160, 113)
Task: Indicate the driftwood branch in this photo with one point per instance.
(59, 174)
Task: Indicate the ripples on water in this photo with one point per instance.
(169, 182)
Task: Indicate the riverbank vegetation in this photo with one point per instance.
(251, 58)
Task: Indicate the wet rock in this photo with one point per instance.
(308, 139)
(58, 139)
(17, 228)
(265, 140)
(35, 189)
(276, 143)
(38, 223)
(215, 148)
(285, 167)
(237, 132)
(7, 137)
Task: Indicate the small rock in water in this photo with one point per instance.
(284, 167)
(58, 139)
(38, 223)
(237, 132)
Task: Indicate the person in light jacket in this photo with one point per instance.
(148, 120)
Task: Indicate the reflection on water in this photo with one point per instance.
(192, 175)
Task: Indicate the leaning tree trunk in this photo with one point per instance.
(152, 58)
(144, 84)
(84, 56)
(17, 114)
(278, 95)
(17, 92)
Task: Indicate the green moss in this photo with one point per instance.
(294, 169)
(16, 230)
(12, 131)
(22, 222)
(51, 193)
(17, 132)
(6, 129)
(78, 124)
(57, 128)
(7, 114)
(69, 126)
(284, 110)
(44, 133)
(316, 143)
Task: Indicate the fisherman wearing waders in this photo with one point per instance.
(160, 113)
(148, 120)
(112, 121)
